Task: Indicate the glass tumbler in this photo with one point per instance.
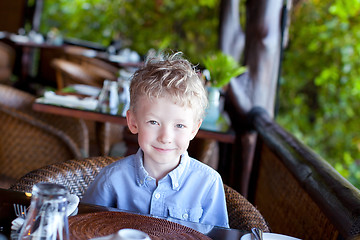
(47, 219)
(109, 98)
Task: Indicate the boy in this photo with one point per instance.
(167, 104)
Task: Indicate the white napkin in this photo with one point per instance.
(86, 89)
(51, 97)
(73, 202)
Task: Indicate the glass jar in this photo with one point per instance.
(214, 108)
(108, 98)
(124, 80)
(46, 219)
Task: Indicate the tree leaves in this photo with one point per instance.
(322, 68)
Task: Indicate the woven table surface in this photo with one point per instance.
(91, 225)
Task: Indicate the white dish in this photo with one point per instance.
(68, 101)
(125, 234)
(73, 202)
(86, 89)
(269, 236)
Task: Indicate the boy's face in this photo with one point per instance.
(164, 130)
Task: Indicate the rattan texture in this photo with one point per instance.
(22, 101)
(242, 214)
(76, 175)
(27, 144)
(86, 226)
(282, 198)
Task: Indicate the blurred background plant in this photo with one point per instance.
(140, 25)
(222, 68)
(319, 94)
(321, 73)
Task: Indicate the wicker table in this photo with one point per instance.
(8, 198)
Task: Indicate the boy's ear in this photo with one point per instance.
(131, 122)
(196, 129)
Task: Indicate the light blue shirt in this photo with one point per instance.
(191, 192)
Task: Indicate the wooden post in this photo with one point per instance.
(262, 49)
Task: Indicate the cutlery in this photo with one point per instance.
(20, 210)
(258, 234)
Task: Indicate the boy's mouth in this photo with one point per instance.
(164, 150)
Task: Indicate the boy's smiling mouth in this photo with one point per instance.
(163, 149)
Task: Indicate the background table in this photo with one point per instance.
(227, 136)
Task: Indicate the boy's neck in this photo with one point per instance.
(159, 171)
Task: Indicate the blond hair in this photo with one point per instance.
(169, 76)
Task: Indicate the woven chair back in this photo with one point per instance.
(242, 214)
(27, 144)
(77, 175)
(22, 101)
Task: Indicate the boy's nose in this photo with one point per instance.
(165, 136)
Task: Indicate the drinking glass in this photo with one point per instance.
(46, 219)
(109, 98)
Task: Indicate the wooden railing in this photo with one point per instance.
(297, 191)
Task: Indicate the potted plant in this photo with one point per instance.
(220, 68)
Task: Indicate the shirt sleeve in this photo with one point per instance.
(215, 211)
(100, 192)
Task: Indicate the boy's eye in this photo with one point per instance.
(152, 122)
(180, 126)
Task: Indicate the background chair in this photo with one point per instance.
(7, 60)
(68, 72)
(77, 175)
(29, 140)
(27, 143)
(22, 101)
(86, 57)
(242, 214)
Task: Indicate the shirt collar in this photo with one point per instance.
(175, 175)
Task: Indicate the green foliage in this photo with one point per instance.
(321, 72)
(319, 89)
(140, 25)
(222, 68)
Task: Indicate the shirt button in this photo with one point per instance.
(176, 185)
(157, 196)
(141, 182)
(185, 216)
(148, 178)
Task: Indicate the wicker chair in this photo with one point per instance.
(242, 214)
(82, 56)
(22, 101)
(7, 59)
(77, 175)
(26, 143)
(68, 72)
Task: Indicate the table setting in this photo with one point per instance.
(87, 221)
